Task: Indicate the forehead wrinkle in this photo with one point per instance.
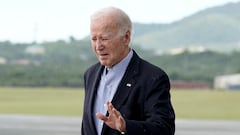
(104, 28)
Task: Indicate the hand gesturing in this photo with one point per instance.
(114, 120)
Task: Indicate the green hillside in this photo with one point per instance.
(216, 28)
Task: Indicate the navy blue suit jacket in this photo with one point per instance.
(142, 97)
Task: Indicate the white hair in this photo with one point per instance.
(121, 19)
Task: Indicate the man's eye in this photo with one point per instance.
(105, 38)
(94, 39)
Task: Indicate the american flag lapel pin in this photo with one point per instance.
(128, 84)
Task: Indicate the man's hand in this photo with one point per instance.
(114, 120)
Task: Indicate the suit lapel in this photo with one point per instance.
(96, 78)
(123, 90)
(127, 83)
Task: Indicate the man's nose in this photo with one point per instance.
(99, 44)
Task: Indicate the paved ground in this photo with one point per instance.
(204, 127)
(32, 125)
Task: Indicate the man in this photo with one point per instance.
(124, 94)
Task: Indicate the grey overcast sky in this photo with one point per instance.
(50, 20)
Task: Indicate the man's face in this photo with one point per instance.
(109, 46)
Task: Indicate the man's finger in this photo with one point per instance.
(109, 107)
(112, 110)
(115, 112)
(101, 117)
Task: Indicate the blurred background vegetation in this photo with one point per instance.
(197, 48)
(63, 63)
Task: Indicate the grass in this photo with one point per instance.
(206, 104)
(189, 104)
(41, 101)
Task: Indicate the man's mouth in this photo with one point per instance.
(104, 55)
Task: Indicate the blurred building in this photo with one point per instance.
(35, 49)
(21, 62)
(179, 84)
(3, 60)
(231, 82)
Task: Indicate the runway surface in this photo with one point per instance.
(42, 125)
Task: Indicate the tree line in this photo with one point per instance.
(62, 64)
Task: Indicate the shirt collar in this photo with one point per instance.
(122, 65)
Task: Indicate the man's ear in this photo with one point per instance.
(127, 36)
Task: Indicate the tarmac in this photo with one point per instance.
(45, 125)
